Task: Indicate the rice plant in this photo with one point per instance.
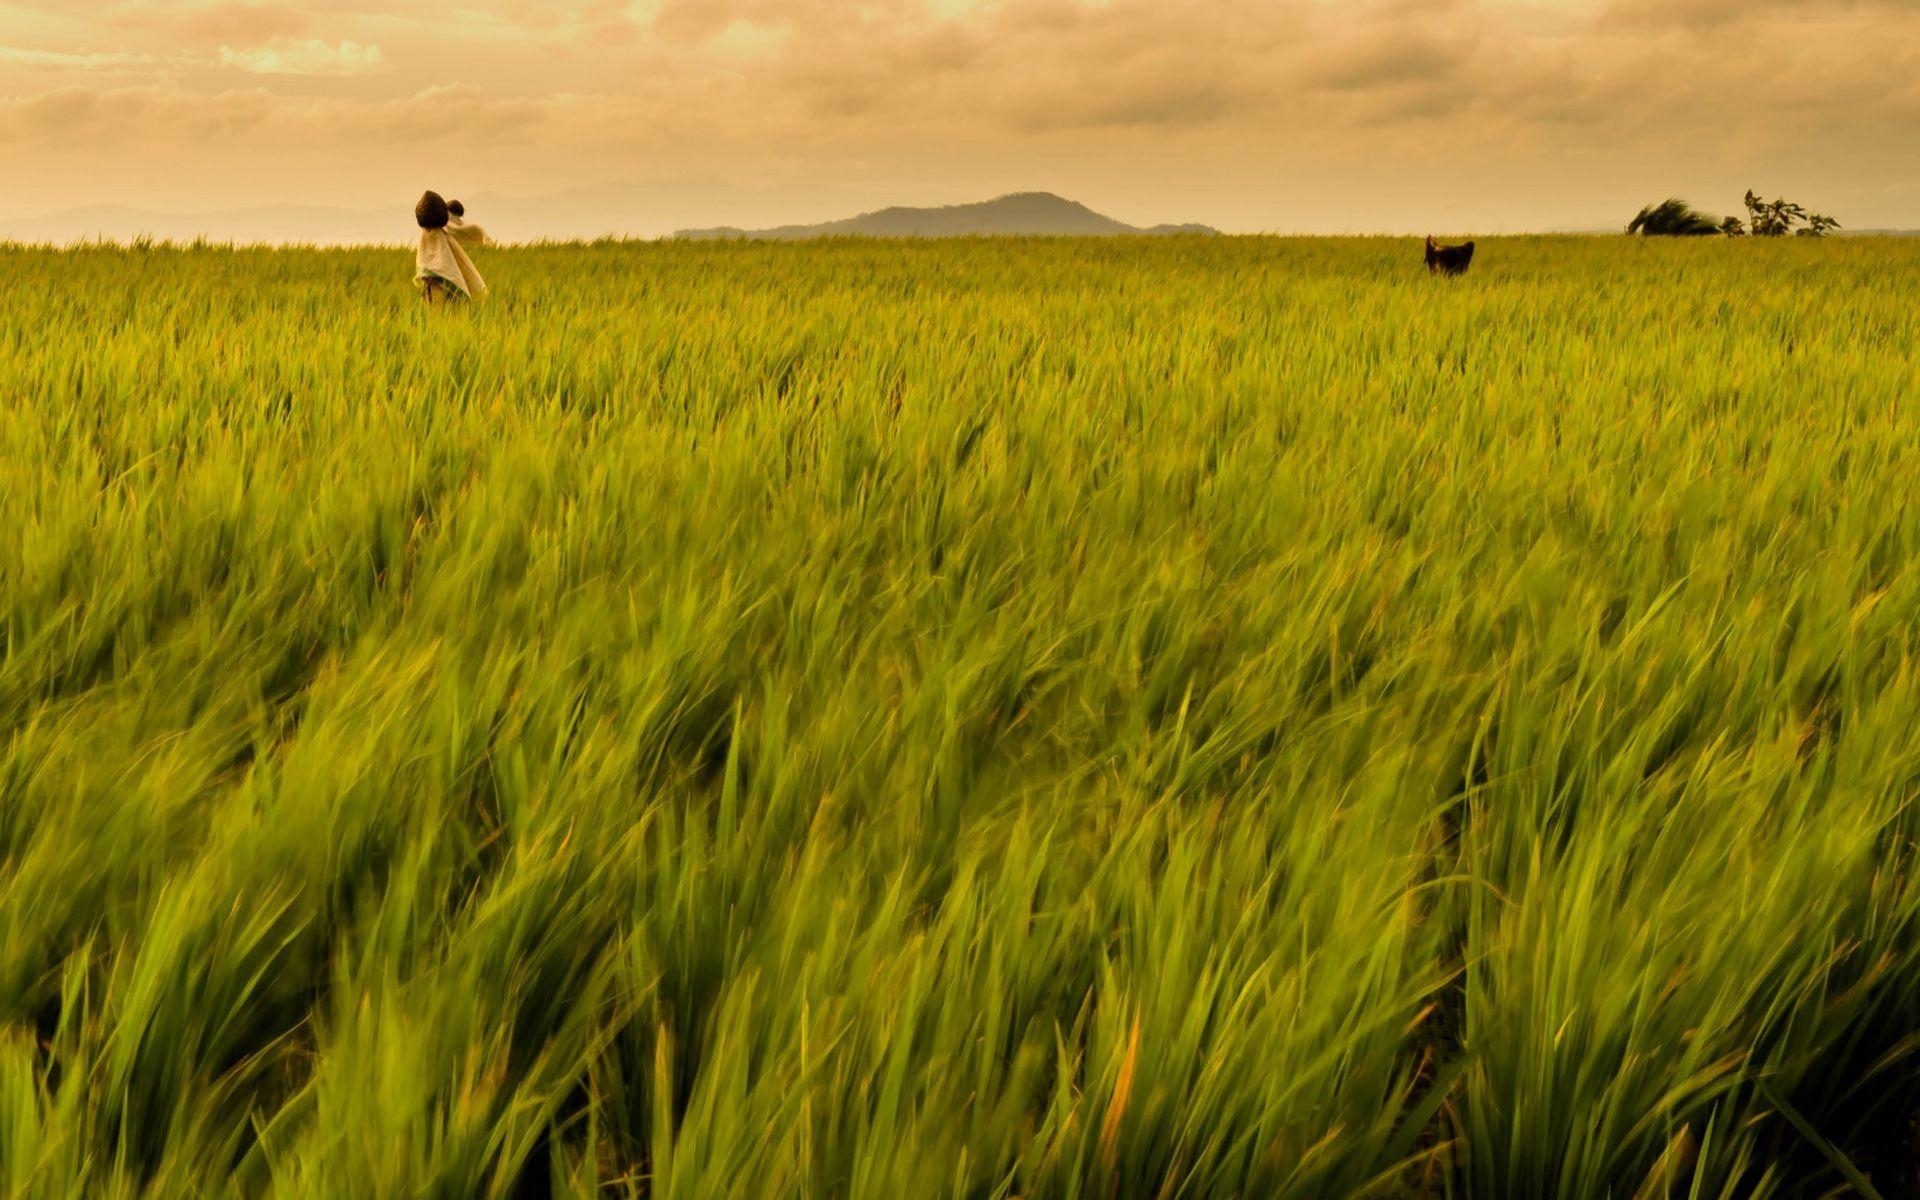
(1047, 719)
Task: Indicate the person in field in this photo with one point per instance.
(441, 268)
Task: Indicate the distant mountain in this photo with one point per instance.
(1025, 214)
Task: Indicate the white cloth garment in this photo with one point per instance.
(442, 257)
(470, 235)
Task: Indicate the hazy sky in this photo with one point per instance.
(1292, 115)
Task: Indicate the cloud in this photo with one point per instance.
(1714, 15)
(64, 61)
(935, 99)
(1023, 65)
(1175, 99)
(213, 22)
(286, 56)
(455, 110)
(1364, 64)
(116, 120)
(128, 116)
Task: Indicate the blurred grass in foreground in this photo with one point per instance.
(1123, 719)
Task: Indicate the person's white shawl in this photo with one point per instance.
(442, 257)
(469, 235)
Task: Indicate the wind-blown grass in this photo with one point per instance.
(1192, 718)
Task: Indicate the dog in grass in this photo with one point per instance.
(1448, 260)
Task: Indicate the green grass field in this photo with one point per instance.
(1108, 720)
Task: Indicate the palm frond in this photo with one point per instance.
(1673, 218)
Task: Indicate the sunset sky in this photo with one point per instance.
(647, 115)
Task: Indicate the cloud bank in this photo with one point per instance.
(310, 56)
(1323, 115)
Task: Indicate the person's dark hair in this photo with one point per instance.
(431, 212)
(456, 208)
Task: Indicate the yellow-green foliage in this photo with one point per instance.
(1122, 719)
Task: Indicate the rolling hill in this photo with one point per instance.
(1025, 214)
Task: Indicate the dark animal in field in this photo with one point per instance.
(1449, 260)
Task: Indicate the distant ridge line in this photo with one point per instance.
(1018, 214)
